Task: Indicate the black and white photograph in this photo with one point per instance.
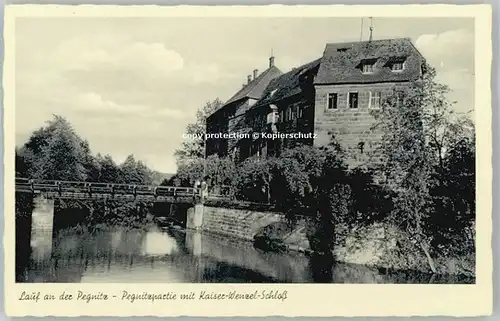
(245, 150)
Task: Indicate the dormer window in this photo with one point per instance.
(367, 66)
(342, 49)
(398, 66)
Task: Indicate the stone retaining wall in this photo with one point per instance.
(243, 224)
(366, 245)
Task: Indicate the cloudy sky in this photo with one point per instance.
(130, 86)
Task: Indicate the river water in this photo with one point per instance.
(175, 255)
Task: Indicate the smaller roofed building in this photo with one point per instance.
(333, 96)
(230, 118)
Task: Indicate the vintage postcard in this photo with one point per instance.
(248, 160)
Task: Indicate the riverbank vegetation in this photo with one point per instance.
(57, 152)
(423, 184)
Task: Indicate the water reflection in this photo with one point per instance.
(41, 245)
(172, 256)
(156, 243)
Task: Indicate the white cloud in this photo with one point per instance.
(87, 57)
(452, 49)
(451, 37)
(288, 63)
(207, 73)
(149, 56)
(461, 83)
(95, 103)
(172, 113)
(88, 54)
(452, 54)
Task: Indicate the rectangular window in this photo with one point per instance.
(375, 99)
(353, 100)
(367, 68)
(299, 112)
(397, 66)
(332, 101)
(288, 114)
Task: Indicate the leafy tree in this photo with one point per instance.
(56, 152)
(174, 180)
(21, 166)
(454, 194)
(416, 132)
(194, 148)
(59, 153)
(332, 195)
(407, 166)
(371, 202)
(301, 172)
(137, 172)
(109, 172)
(254, 179)
(219, 174)
(190, 172)
(90, 163)
(145, 174)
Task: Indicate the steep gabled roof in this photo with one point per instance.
(257, 86)
(289, 84)
(342, 62)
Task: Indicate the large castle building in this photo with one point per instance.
(332, 97)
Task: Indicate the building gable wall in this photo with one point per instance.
(352, 128)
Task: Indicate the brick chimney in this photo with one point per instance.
(249, 79)
(255, 73)
(271, 61)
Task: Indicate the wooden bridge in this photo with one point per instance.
(107, 191)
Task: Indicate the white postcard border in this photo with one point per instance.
(303, 299)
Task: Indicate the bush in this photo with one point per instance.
(308, 181)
